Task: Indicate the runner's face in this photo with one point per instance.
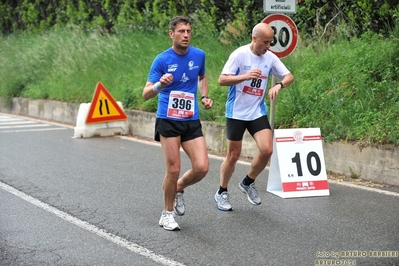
(181, 36)
(263, 42)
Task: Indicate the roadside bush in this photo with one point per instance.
(347, 76)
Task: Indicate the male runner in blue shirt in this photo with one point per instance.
(176, 75)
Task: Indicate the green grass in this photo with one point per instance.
(349, 89)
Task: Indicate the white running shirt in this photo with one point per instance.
(245, 101)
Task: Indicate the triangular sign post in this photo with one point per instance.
(103, 107)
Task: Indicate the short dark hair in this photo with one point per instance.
(177, 20)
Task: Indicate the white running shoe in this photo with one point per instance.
(223, 201)
(251, 192)
(168, 222)
(179, 206)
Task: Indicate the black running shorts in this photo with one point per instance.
(187, 130)
(235, 128)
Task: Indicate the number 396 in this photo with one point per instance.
(181, 104)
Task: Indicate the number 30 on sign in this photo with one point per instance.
(285, 34)
(297, 166)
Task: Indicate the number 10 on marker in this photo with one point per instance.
(313, 164)
(301, 159)
(297, 163)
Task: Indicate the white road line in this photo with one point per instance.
(92, 228)
(21, 125)
(20, 122)
(30, 130)
(5, 120)
(390, 193)
(25, 126)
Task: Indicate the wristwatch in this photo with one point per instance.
(204, 97)
(281, 84)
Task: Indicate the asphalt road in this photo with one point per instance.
(97, 201)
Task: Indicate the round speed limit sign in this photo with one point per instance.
(285, 34)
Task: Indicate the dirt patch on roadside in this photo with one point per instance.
(358, 181)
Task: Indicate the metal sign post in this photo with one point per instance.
(272, 106)
(284, 43)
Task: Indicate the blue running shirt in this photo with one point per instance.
(178, 100)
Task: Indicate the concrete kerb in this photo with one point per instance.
(370, 163)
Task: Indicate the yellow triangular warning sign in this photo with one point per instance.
(103, 107)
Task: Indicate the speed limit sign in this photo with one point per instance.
(285, 34)
(297, 166)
